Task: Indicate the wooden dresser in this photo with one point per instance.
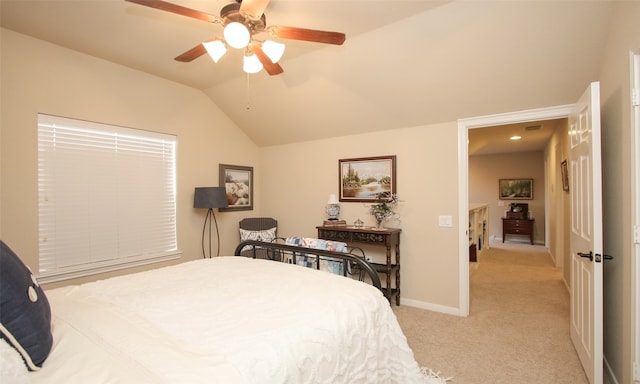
(517, 227)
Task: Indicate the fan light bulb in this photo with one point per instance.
(237, 35)
(273, 50)
(252, 64)
(216, 49)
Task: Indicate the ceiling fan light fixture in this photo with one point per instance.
(241, 21)
(252, 64)
(237, 35)
(273, 50)
(216, 49)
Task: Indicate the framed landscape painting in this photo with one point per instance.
(515, 189)
(362, 179)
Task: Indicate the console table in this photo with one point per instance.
(517, 227)
(386, 237)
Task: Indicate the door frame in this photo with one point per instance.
(464, 125)
(634, 58)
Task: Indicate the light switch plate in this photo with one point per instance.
(445, 221)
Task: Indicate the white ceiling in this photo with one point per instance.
(405, 62)
(494, 140)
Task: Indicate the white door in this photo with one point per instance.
(586, 232)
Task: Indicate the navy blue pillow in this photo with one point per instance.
(25, 315)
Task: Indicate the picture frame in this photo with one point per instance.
(238, 182)
(515, 189)
(361, 179)
(564, 171)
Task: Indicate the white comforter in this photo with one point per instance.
(226, 320)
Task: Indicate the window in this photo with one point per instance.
(107, 197)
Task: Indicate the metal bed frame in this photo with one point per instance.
(279, 252)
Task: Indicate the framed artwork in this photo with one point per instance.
(565, 175)
(238, 182)
(515, 189)
(361, 179)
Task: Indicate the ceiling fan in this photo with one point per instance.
(243, 21)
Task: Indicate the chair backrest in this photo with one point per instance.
(258, 223)
(260, 229)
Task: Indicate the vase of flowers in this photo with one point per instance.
(384, 207)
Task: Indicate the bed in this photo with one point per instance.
(225, 320)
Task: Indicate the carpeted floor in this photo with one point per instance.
(517, 331)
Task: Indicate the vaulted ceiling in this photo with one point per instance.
(405, 63)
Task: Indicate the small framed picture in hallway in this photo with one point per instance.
(565, 175)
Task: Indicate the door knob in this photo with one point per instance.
(598, 256)
(587, 255)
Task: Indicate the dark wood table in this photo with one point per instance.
(386, 237)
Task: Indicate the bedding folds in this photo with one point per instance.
(226, 320)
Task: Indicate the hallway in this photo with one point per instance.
(517, 330)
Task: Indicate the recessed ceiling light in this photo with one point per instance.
(516, 137)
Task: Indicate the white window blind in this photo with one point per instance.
(107, 197)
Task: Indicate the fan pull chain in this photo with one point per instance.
(248, 105)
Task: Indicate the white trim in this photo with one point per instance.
(609, 377)
(463, 217)
(557, 112)
(464, 125)
(23, 352)
(634, 65)
(94, 270)
(430, 307)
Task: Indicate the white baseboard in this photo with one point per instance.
(609, 376)
(432, 307)
(515, 240)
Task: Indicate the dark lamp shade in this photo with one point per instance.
(210, 197)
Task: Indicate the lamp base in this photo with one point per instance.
(210, 214)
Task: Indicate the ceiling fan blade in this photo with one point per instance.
(312, 35)
(271, 68)
(178, 9)
(253, 8)
(192, 54)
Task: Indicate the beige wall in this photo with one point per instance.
(484, 173)
(559, 213)
(292, 182)
(624, 37)
(40, 77)
(300, 177)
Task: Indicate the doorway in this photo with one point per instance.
(464, 125)
(529, 153)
